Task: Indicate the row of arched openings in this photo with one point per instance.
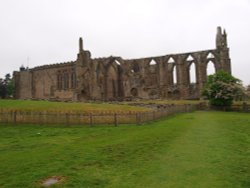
(192, 74)
(112, 80)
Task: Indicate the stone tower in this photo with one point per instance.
(83, 74)
(223, 50)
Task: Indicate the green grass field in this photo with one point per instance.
(200, 149)
(29, 105)
(161, 101)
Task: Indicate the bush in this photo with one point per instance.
(6, 86)
(222, 88)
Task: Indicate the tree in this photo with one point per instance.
(6, 86)
(222, 88)
(2, 89)
(248, 92)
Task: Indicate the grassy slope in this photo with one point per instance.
(201, 149)
(63, 106)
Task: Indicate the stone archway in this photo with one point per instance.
(111, 83)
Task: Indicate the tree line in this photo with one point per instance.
(6, 87)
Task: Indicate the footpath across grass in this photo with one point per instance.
(200, 149)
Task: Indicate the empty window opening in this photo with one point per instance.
(174, 75)
(192, 73)
(171, 60)
(210, 55)
(65, 81)
(59, 81)
(210, 68)
(73, 80)
(152, 62)
(190, 58)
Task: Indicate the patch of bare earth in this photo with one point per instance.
(51, 181)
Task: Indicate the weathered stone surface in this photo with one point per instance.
(115, 78)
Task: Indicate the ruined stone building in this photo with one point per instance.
(115, 78)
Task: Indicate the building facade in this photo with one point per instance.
(115, 78)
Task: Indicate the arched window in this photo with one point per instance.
(152, 62)
(210, 68)
(192, 73)
(65, 81)
(174, 73)
(73, 80)
(171, 60)
(210, 55)
(112, 83)
(59, 81)
(190, 58)
(152, 66)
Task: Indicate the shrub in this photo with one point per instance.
(222, 88)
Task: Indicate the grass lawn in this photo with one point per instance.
(200, 149)
(29, 105)
(161, 101)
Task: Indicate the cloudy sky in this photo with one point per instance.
(38, 32)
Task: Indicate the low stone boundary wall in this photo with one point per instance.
(22, 117)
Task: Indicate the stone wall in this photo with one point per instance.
(42, 83)
(115, 78)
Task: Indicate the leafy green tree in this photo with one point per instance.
(248, 91)
(222, 88)
(2, 89)
(8, 85)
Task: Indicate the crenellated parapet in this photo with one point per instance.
(56, 65)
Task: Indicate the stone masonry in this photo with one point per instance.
(115, 78)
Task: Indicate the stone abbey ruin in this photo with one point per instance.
(115, 78)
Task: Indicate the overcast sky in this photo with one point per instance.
(38, 32)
